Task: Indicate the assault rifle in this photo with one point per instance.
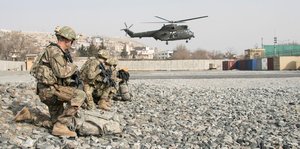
(107, 76)
(77, 81)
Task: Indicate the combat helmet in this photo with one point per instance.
(112, 61)
(103, 54)
(66, 32)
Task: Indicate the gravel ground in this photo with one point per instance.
(175, 113)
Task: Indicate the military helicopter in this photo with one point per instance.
(166, 33)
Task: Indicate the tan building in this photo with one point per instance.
(29, 60)
(254, 53)
(286, 63)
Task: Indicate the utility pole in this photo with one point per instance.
(262, 42)
(275, 44)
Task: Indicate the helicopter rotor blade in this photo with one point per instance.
(155, 22)
(164, 19)
(182, 21)
(126, 27)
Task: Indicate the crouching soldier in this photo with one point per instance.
(123, 93)
(92, 76)
(120, 77)
(104, 88)
(56, 73)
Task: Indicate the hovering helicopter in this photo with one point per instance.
(166, 33)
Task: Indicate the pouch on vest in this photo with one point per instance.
(45, 75)
(41, 72)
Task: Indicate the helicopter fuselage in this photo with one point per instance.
(168, 32)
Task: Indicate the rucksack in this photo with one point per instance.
(94, 122)
(124, 75)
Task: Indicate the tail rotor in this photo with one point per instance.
(126, 29)
(127, 26)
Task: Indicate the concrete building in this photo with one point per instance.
(254, 53)
(164, 54)
(144, 52)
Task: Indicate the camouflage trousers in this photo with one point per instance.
(124, 93)
(89, 89)
(55, 97)
(102, 92)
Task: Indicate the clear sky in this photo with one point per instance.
(231, 24)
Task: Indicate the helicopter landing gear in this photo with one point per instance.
(167, 43)
(186, 41)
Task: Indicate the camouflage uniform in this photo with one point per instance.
(113, 62)
(54, 74)
(106, 92)
(122, 91)
(90, 73)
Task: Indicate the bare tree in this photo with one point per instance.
(230, 54)
(200, 54)
(181, 52)
(216, 55)
(16, 44)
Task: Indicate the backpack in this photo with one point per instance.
(85, 69)
(42, 73)
(97, 123)
(124, 75)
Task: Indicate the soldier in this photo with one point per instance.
(113, 62)
(56, 75)
(90, 73)
(103, 89)
(121, 76)
(123, 92)
(108, 86)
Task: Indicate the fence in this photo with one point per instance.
(143, 65)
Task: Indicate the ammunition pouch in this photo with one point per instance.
(46, 93)
(44, 75)
(64, 93)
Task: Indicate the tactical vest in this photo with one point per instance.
(42, 72)
(85, 69)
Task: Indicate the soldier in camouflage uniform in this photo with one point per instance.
(107, 89)
(121, 76)
(123, 92)
(90, 73)
(113, 91)
(56, 73)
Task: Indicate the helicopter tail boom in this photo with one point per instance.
(129, 32)
(126, 29)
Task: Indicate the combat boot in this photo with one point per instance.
(23, 115)
(108, 102)
(60, 129)
(103, 105)
(90, 105)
